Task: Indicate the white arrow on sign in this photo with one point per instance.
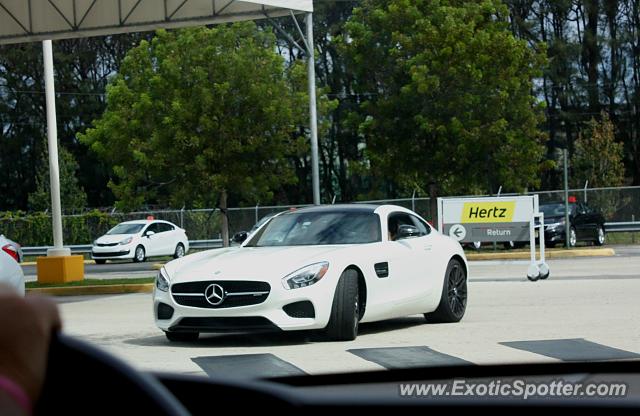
(458, 232)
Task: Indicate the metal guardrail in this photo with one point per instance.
(86, 248)
(42, 250)
(610, 227)
(622, 227)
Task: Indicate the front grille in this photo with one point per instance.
(110, 254)
(237, 293)
(243, 323)
(107, 244)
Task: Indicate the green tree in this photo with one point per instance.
(200, 111)
(72, 195)
(450, 98)
(82, 67)
(597, 156)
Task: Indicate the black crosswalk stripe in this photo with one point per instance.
(247, 366)
(254, 366)
(575, 349)
(407, 357)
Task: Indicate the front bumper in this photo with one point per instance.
(112, 252)
(554, 235)
(266, 316)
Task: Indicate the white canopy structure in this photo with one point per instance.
(33, 20)
(44, 20)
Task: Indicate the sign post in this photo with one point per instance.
(496, 219)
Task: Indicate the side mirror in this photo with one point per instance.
(407, 231)
(240, 237)
(149, 234)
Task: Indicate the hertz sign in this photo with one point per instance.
(488, 211)
(487, 219)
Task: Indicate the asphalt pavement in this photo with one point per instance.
(585, 311)
(481, 269)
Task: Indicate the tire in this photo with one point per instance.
(345, 311)
(573, 237)
(179, 251)
(139, 255)
(453, 302)
(509, 245)
(601, 237)
(99, 261)
(182, 336)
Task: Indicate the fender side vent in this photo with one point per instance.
(382, 269)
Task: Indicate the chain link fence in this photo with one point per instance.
(34, 229)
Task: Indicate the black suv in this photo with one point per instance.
(587, 224)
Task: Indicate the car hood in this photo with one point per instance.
(247, 263)
(553, 220)
(113, 238)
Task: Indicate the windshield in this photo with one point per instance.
(126, 229)
(555, 210)
(259, 223)
(303, 229)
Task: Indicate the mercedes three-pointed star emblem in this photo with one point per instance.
(214, 294)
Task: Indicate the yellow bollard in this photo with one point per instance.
(60, 269)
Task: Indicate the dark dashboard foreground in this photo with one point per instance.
(373, 391)
(84, 380)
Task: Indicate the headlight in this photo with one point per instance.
(555, 225)
(162, 280)
(306, 276)
(126, 241)
(95, 242)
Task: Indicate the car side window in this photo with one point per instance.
(153, 228)
(424, 228)
(163, 227)
(394, 221)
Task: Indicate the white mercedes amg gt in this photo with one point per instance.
(325, 267)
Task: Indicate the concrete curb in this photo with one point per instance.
(549, 254)
(93, 290)
(34, 263)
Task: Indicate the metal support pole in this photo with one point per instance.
(52, 138)
(495, 244)
(313, 117)
(413, 201)
(586, 185)
(225, 219)
(567, 224)
(434, 206)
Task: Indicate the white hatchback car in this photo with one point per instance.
(10, 271)
(139, 240)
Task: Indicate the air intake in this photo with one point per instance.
(303, 309)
